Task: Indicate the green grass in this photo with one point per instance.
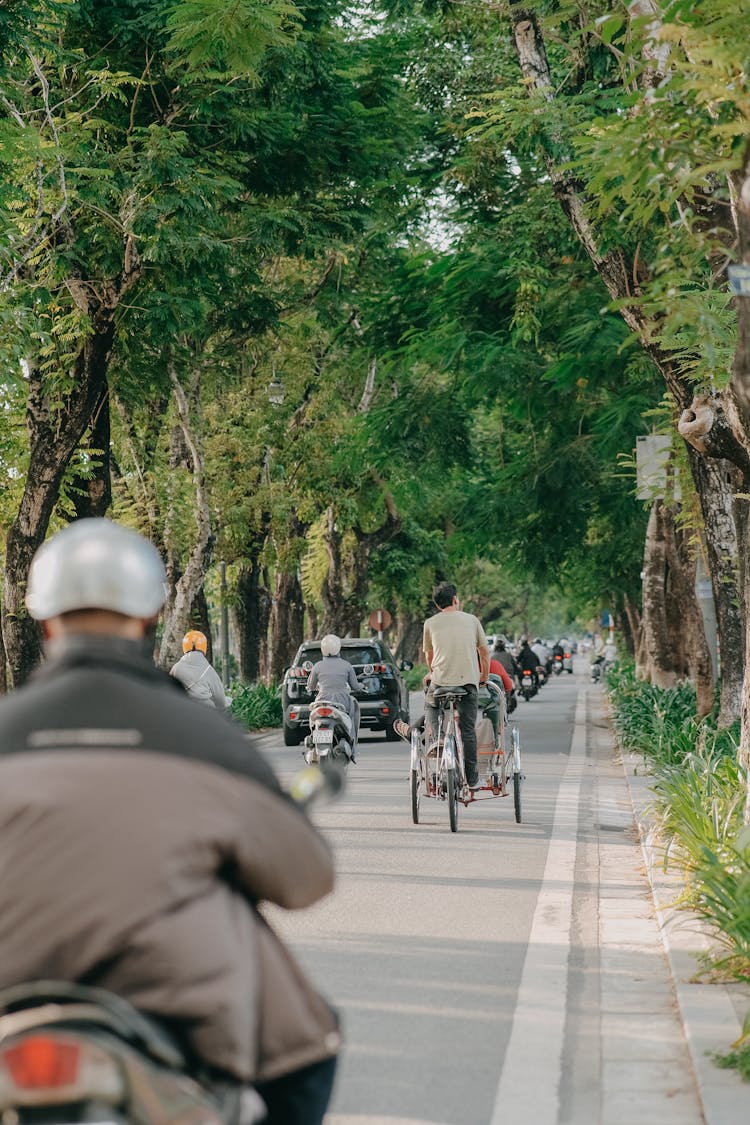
(256, 706)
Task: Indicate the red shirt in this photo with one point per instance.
(497, 669)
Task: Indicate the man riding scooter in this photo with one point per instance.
(140, 831)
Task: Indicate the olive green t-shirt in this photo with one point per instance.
(454, 638)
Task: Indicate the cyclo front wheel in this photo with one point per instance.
(517, 796)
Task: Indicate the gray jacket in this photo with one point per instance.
(139, 833)
(334, 679)
(200, 680)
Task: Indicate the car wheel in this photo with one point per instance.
(292, 736)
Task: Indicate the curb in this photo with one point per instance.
(710, 1013)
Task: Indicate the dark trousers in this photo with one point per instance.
(299, 1098)
(467, 720)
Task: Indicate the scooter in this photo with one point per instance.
(331, 736)
(71, 1053)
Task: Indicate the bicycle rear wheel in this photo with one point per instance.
(452, 797)
(414, 783)
(517, 796)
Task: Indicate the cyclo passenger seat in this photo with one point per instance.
(443, 695)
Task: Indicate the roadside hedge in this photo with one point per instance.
(700, 791)
(256, 706)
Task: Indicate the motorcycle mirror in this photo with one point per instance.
(313, 782)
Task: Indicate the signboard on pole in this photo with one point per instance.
(380, 619)
(739, 280)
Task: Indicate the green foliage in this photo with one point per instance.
(257, 706)
(231, 38)
(414, 677)
(700, 793)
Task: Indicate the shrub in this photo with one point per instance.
(414, 677)
(256, 706)
(700, 792)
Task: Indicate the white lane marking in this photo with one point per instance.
(529, 1086)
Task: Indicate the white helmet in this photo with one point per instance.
(96, 564)
(330, 645)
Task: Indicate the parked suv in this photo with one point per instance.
(383, 695)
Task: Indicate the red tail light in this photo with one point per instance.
(325, 712)
(567, 654)
(40, 1062)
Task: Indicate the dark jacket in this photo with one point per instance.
(138, 831)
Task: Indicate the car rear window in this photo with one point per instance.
(363, 655)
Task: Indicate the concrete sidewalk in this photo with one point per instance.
(711, 1014)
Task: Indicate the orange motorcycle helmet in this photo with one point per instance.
(195, 640)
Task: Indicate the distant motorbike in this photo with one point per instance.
(528, 684)
(568, 662)
(557, 664)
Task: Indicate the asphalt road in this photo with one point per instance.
(423, 943)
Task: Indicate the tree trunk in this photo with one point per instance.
(716, 484)
(54, 435)
(741, 389)
(345, 587)
(287, 617)
(251, 615)
(3, 667)
(313, 628)
(657, 636)
(191, 581)
(200, 619)
(408, 638)
(93, 494)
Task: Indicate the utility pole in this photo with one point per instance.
(224, 627)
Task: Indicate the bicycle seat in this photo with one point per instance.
(447, 692)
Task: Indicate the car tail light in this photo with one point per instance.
(48, 1069)
(292, 715)
(385, 710)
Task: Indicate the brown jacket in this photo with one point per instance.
(138, 832)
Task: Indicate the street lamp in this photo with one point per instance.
(276, 391)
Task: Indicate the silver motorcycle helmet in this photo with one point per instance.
(330, 645)
(96, 564)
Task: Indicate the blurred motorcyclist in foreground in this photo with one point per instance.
(139, 832)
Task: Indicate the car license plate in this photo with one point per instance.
(323, 737)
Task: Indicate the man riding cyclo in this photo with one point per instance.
(467, 632)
